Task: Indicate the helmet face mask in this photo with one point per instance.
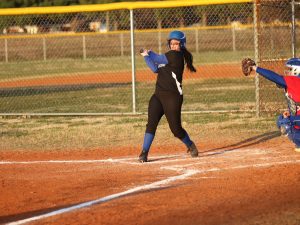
(179, 36)
(293, 67)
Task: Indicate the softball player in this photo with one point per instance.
(168, 97)
(288, 122)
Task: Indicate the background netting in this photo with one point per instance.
(81, 62)
(275, 46)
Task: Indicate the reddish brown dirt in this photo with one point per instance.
(207, 71)
(235, 184)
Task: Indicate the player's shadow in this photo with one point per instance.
(162, 158)
(245, 143)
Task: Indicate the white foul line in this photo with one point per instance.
(62, 161)
(115, 160)
(157, 184)
(154, 185)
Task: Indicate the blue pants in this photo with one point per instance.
(292, 133)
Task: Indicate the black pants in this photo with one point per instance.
(168, 104)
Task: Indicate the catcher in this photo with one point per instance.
(289, 121)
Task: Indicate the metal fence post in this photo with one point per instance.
(122, 43)
(132, 60)
(293, 29)
(255, 22)
(159, 37)
(197, 40)
(159, 42)
(6, 50)
(233, 38)
(83, 47)
(44, 49)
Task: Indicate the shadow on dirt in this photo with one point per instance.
(162, 158)
(245, 143)
(48, 89)
(36, 215)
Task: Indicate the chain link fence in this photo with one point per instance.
(85, 60)
(278, 40)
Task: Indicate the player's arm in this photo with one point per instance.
(158, 59)
(151, 64)
(154, 60)
(270, 75)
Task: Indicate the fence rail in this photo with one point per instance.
(237, 38)
(83, 60)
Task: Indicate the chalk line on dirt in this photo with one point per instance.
(186, 173)
(157, 184)
(109, 160)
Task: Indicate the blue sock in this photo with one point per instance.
(148, 138)
(186, 140)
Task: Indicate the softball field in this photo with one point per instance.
(253, 181)
(85, 171)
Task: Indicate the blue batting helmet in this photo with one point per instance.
(294, 66)
(179, 36)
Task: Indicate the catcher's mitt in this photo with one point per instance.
(247, 66)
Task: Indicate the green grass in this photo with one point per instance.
(63, 66)
(71, 133)
(208, 94)
(57, 67)
(90, 100)
(216, 57)
(199, 95)
(219, 94)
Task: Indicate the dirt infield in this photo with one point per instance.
(232, 183)
(206, 71)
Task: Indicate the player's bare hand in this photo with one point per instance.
(286, 114)
(144, 52)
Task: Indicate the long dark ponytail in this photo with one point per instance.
(188, 57)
